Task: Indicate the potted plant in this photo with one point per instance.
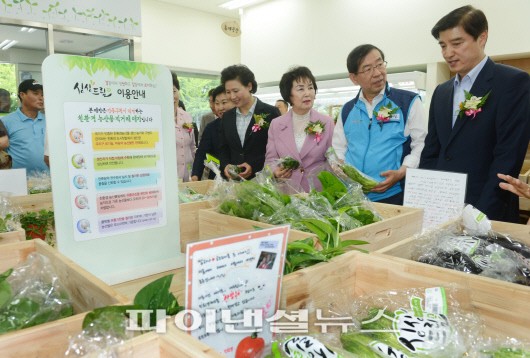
(37, 224)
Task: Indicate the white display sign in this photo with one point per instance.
(440, 194)
(113, 165)
(118, 16)
(13, 182)
(240, 275)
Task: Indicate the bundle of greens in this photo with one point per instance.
(289, 163)
(188, 195)
(251, 200)
(31, 294)
(408, 324)
(107, 326)
(347, 171)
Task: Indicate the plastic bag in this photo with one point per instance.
(39, 182)
(496, 347)
(32, 294)
(310, 345)
(102, 337)
(188, 195)
(415, 322)
(345, 170)
(476, 249)
(9, 214)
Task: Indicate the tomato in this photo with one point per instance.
(250, 347)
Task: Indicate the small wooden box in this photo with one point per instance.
(189, 212)
(85, 290)
(398, 223)
(502, 306)
(12, 236)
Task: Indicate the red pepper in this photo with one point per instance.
(250, 347)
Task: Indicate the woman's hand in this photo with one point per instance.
(515, 186)
(282, 173)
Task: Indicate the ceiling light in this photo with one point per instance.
(235, 4)
(32, 30)
(23, 29)
(10, 44)
(5, 42)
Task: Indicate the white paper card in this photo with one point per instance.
(440, 194)
(13, 182)
(240, 274)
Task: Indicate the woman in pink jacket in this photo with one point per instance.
(184, 136)
(302, 133)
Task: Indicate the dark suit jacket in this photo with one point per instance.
(208, 144)
(495, 141)
(253, 149)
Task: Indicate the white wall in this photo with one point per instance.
(186, 39)
(320, 33)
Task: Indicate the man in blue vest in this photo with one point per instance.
(381, 131)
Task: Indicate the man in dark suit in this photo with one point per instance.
(479, 120)
(244, 129)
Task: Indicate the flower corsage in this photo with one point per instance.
(188, 126)
(472, 105)
(260, 122)
(384, 114)
(316, 129)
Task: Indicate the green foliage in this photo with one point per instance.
(8, 82)
(154, 296)
(126, 69)
(37, 223)
(289, 163)
(194, 94)
(4, 223)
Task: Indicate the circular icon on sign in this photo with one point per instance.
(81, 202)
(76, 135)
(80, 182)
(78, 161)
(83, 226)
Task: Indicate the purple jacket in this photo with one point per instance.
(312, 156)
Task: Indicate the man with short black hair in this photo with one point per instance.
(479, 121)
(26, 129)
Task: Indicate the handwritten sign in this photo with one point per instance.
(239, 277)
(440, 194)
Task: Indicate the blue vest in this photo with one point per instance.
(374, 147)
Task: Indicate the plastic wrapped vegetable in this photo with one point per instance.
(31, 294)
(350, 171)
(416, 322)
(9, 218)
(288, 163)
(306, 346)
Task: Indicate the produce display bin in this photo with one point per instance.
(52, 341)
(33, 202)
(12, 236)
(86, 292)
(189, 212)
(398, 222)
(502, 306)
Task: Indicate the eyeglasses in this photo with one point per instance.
(381, 66)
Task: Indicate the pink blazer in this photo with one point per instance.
(312, 156)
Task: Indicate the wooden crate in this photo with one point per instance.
(33, 202)
(12, 236)
(86, 291)
(189, 212)
(398, 222)
(200, 187)
(52, 341)
(502, 306)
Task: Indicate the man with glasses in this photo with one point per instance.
(381, 131)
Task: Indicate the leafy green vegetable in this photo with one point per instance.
(154, 296)
(289, 163)
(353, 173)
(4, 223)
